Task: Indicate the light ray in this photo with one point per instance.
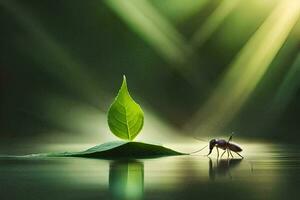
(288, 87)
(210, 25)
(247, 69)
(180, 11)
(164, 25)
(153, 28)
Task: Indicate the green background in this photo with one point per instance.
(198, 68)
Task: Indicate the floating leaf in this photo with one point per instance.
(114, 150)
(125, 117)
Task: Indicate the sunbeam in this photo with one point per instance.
(288, 87)
(210, 25)
(142, 17)
(247, 69)
(179, 11)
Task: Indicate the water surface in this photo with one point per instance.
(268, 171)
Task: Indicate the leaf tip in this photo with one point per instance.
(124, 78)
(124, 84)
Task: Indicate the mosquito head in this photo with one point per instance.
(212, 144)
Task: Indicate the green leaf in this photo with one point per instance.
(115, 150)
(125, 117)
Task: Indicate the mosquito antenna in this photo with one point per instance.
(199, 139)
(199, 150)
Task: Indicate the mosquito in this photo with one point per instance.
(225, 145)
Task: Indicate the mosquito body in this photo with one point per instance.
(227, 146)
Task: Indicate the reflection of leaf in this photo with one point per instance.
(125, 116)
(126, 180)
(119, 149)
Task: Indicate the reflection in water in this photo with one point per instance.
(222, 167)
(126, 180)
(268, 172)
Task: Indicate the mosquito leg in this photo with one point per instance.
(231, 154)
(227, 153)
(217, 152)
(223, 153)
(239, 154)
(211, 169)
